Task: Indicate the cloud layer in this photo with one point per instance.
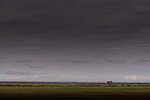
(75, 40)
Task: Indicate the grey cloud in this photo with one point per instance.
(30, 64)
(37, 67)
(76, 61)
(50, 15)
(2, 58)
(18, 73)
(116, 61)
(23, 61)
(144, 60)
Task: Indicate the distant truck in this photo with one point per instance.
(110, 82)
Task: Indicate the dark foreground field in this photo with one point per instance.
(74, 93)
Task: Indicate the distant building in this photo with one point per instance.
(110, 82)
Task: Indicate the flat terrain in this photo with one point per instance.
(74, 93)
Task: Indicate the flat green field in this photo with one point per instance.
(74, 93)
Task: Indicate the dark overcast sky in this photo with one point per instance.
(74, 40)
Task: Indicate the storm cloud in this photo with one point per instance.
(74, 40)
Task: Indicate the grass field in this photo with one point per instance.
(74, 93)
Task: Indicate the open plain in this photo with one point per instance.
(73, 92)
